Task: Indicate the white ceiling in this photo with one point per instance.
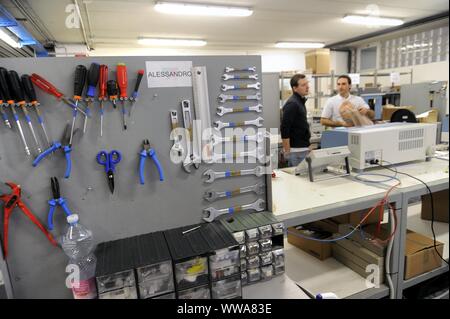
(115, 23)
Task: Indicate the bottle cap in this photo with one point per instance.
(72, 219)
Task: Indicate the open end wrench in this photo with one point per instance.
(229, 69)
(218, 125)
(212, 195)
(188, 125)
(211, 213)
(257, 153)
(213, 175)
(177, 149)
(221, 110)
(227, 77)
(258, 138)
(226, 87)
(224, 97)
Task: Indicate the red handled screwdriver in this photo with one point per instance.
(102, 91)
(122, 82)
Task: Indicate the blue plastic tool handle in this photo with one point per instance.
(152, 154)
(40, 119)
(49, 150)
(103, 159)
(109, 160)
(67, 150)
(62, 202)
(143, 156)
(4, 116)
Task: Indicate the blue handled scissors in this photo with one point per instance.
(109, 161)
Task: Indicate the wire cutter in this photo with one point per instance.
(109, 161)
(64, 145)
(148, 151)
(56, 200)
(11, 201)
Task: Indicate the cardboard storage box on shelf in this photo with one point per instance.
(430, 116)
(320, 250)
(440, 205)
(355, 218)
(389, 109)
(420, 255)
(318, 61)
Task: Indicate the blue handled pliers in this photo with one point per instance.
(64, 145)
(109, 161)
(148, 151)
(57, 200)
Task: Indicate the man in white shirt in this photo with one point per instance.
(331, 115)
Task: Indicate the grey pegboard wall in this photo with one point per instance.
(38, 269)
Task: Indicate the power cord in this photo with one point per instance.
(432, 206)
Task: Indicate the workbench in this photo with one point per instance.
(297, 201)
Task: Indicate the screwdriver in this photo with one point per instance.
(7, 96)
(113, 91)
(78, 85)
(2, 110)
(103, 78)
(28, 87)
(122, 82)
(92, 81)
(19, 95)
(135, 94)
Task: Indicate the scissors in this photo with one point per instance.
(109, 161)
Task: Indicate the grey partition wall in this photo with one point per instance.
(37, 269)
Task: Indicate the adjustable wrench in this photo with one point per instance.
(221, 110)
(210, 213)
(213, 195)
(257, 153)
(258, 138)
(187, 119)
(212, 175)
(224, 97)
(218, 125)
(177, 150)
(229, 69)
(227, 77)
(226, 87)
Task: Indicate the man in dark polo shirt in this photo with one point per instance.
(295, 132)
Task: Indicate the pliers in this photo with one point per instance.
(64, 145)
(148, 151)
(11, 201)
(57, 200)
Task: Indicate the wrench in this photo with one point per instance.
(210, 213)
(177, 149)
(258, 138)
(224, 97)
(218, 125)
(190, 158)
(226, 87)
(229, 69)
(213, 195)
(257, 153)
(227, 77)
(212, 175)
(221, 110)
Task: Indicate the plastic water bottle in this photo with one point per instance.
(78, 245)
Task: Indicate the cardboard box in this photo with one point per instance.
(430, 116)
(388, 110)
(366, 237)
(355, 218)
(420, 255)
(320, 250)
(327, 225)
(318, 61)
(440, 205)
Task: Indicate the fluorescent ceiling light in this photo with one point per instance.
(196, 9)
(172, 42)
(299, 45)
(371, 20)
(9, 40)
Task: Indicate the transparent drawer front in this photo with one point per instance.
(243, 264)
(195, 293)
(243, 250)
(240, 237)
(252, 248)
(224, 264)
(266, 272)
(277, 229)
(265, 231)
(266, 258)
(122, 293)
(227, 289)
(115, 281)
(152, 287)
(252, 234)
(168, 296)
(244, 279)
(253, 262)
(277, 270)
(253, 275)
(278, 257)
(155, 271)
(265, 245)
(191, 272)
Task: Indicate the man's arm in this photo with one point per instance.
(286, 124)
(327, 122)
(364, 109)
(286, 146)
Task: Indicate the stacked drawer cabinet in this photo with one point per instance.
(261, 245)
(206, 262)
(135, 267)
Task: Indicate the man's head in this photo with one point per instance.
(344, 83)
(300, 85)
